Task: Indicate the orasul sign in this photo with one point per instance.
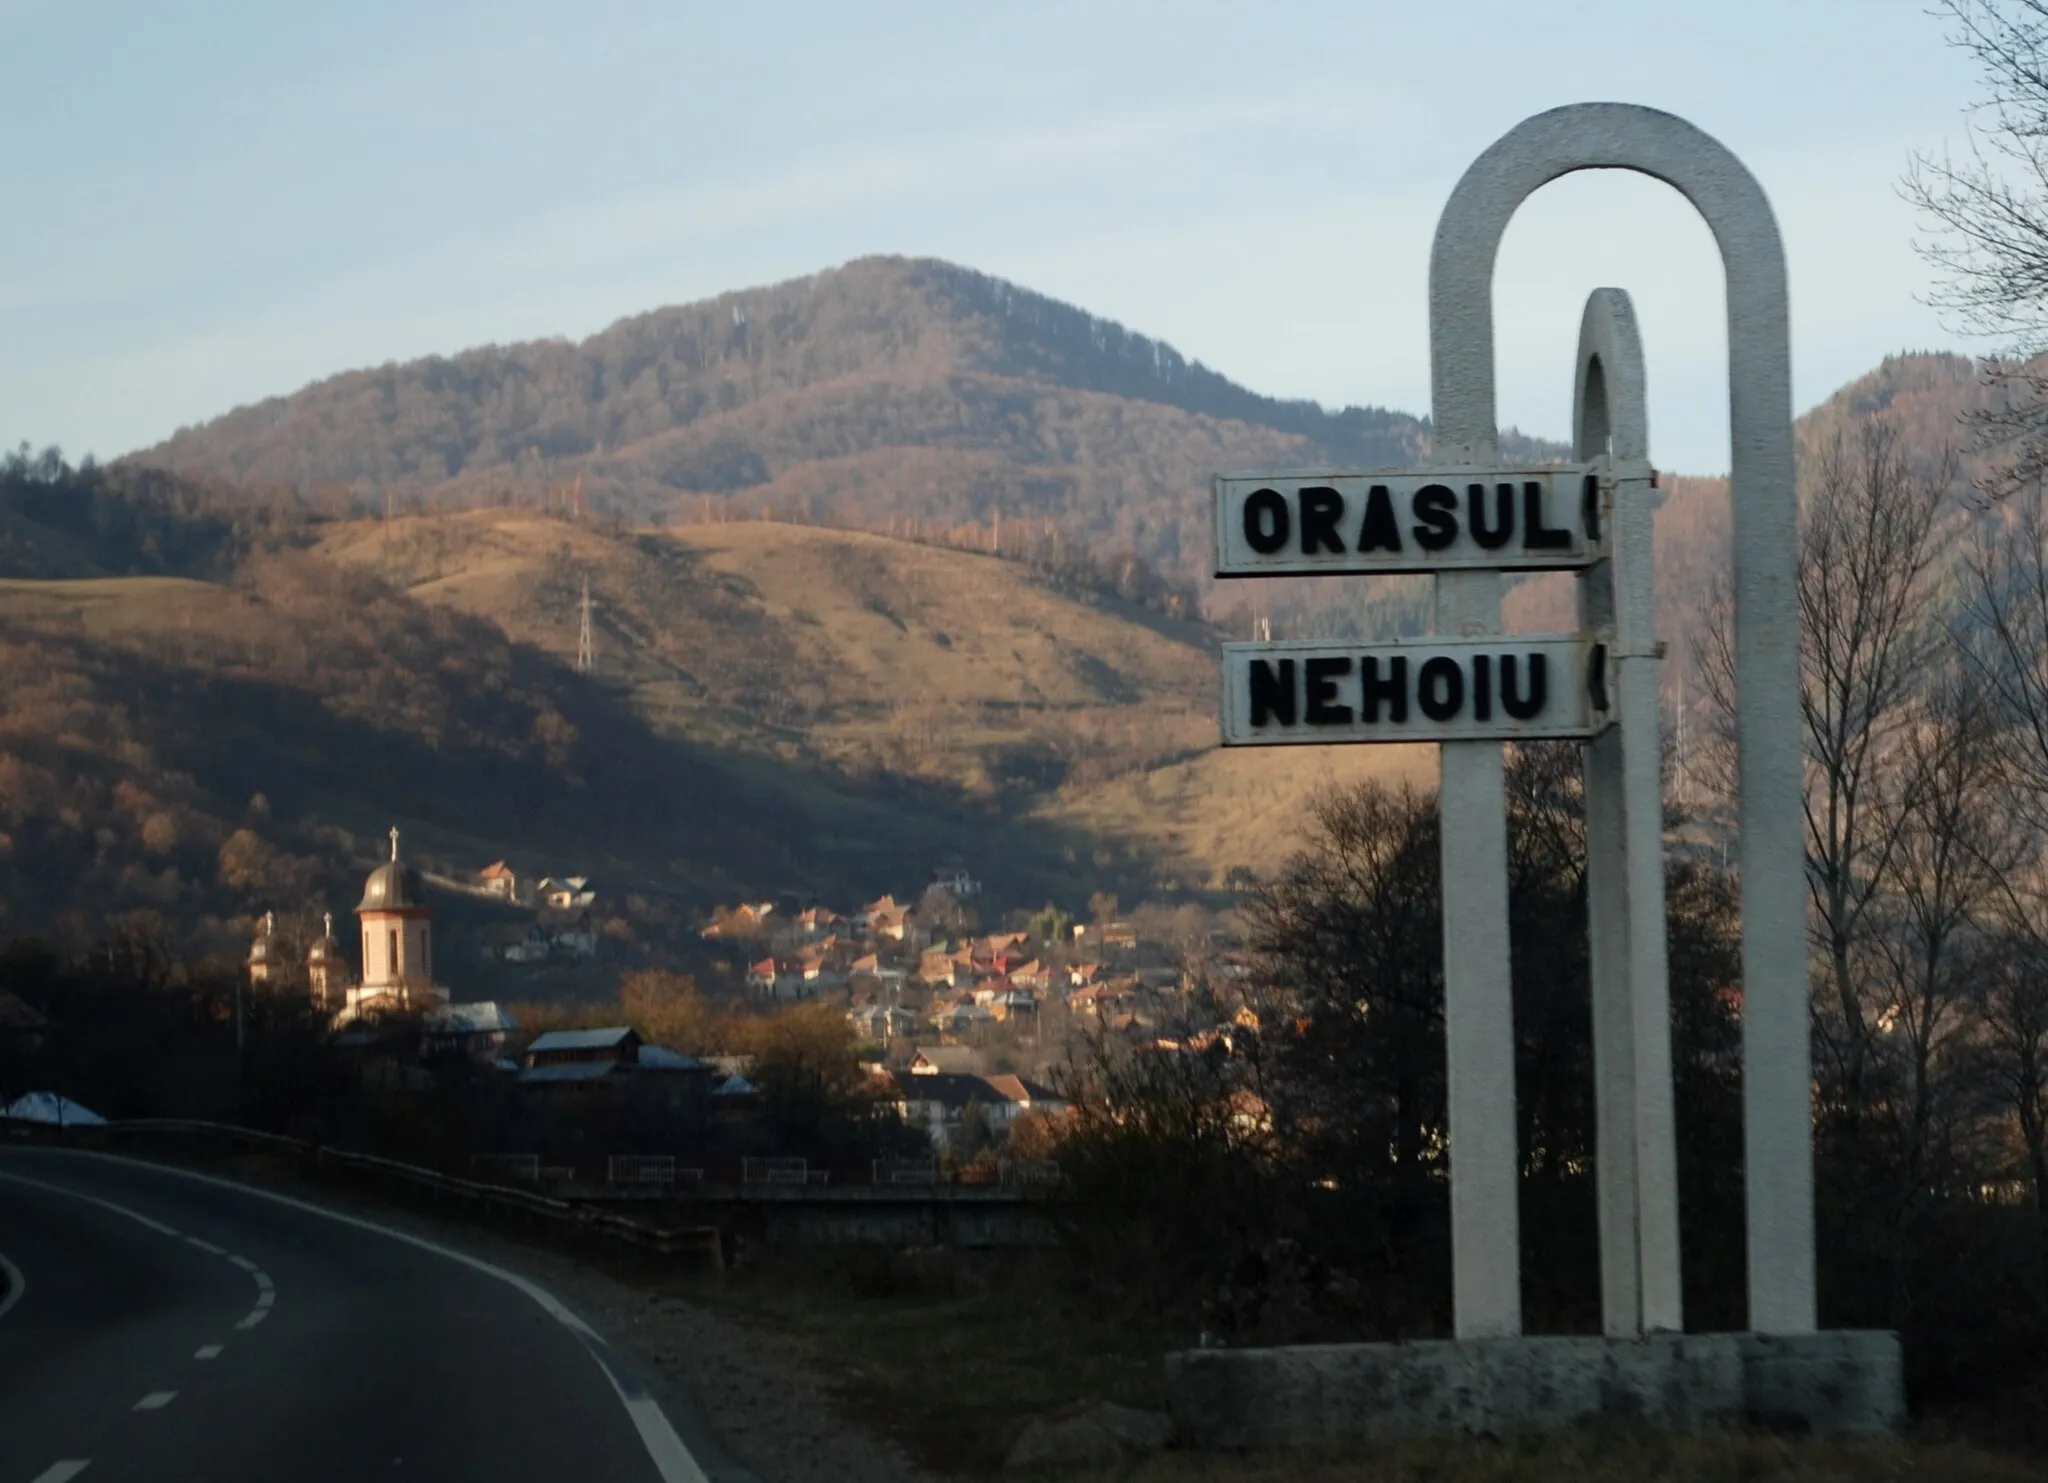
(1311, 523)
(1502, 688)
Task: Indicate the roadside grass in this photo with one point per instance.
(950, 1358)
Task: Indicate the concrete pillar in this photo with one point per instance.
(1625, 843)
(1479, 1035)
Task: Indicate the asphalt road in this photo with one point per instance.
(168, 1327)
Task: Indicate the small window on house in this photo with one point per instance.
(394, 955)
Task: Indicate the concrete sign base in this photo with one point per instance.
(1310, 1396)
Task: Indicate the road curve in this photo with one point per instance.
(166, 1325)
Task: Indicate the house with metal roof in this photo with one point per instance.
(617, 1043)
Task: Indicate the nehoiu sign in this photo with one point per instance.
(1504, 688)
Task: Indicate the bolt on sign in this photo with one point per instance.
(1502, 687)
(1412, 520)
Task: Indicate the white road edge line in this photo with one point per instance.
(209, 1351)
(156, 1400)
(63, 1472)
(672, 1460)
(265, 1298)
(16, 1284)
(207, 1246)
(57, 1189)
(245, 1264)
(263, 1281)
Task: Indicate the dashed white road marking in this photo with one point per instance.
(57, 1189)
(16, 1285)
(63, 1472)
(156, 1400)
(209, 1351)
(245, 1264)
(265, 1298)
(207, 1246)
(263, 1280)
(671, 1459)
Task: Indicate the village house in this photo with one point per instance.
(477, 1030)
(500, 880)
(1032, 974)
(872, 970)
(962, 1021)
(937, 1101)
(927, 1060)
(1015, 1004)
(883, 1021)
(572, 893)
(819, 921)
(776, 979)
(884, 918)
(821, 975)
(748, 919)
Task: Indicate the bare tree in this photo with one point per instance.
(1865, 543)
(2015, 1054)
(2004, 629)
(1988, 208)
(1932, 935)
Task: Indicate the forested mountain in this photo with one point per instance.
(887, 391)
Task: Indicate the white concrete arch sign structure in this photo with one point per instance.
(1776, 1072)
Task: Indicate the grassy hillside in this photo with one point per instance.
(1074, 727)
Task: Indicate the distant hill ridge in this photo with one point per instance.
(888, 389)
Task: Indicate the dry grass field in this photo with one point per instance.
(887, 658)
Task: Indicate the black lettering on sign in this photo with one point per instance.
(1482, 687)
(1272, 692)
(1536, 536)
(1380, 532)
(1494, 537)
(1393, 689)
(1524, 707)
(1436, 517)
(1265, 521)
(1440, 688)
(1323, 708)
(1321, 508)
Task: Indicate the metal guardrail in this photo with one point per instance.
(775, 1171)
(698, 1240)
(640, 1168)
(906, 1171)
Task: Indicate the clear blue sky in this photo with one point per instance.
(206, 204)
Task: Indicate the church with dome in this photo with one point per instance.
(397, 957)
